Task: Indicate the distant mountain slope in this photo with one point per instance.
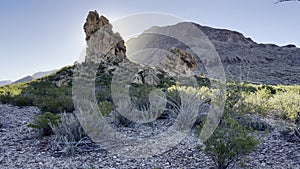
(24, 79)
(42, 74)
(242, 58)
(34, 76)
(5, 82)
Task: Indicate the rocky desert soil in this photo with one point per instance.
(20, 147)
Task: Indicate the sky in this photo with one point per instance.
(43, 35)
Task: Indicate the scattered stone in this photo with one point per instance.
(24, 150)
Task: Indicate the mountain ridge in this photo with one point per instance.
(28, 78)
(243, 59)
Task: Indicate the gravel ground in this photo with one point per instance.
(20, 147)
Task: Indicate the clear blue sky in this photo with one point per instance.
(39, 35)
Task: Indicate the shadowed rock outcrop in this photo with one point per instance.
(178, 62)
(242, 58)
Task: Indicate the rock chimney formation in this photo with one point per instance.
(103, 44)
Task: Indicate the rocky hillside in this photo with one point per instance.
(242, 58)
(107, 54)
(34, 76)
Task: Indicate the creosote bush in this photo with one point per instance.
(69, 134)
(229, 143)
(44, 122)
(105, 107)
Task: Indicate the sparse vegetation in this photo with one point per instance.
(69, 134)
(229, 143)
(105, 107)
(46, 93)
(280, 101)
(44, 122)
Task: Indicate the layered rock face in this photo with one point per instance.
(108, 49)
(148, 75)
(178, 62)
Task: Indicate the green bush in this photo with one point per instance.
(229, 143)
(105, 107)
(51, 94)
(69, 134)
(44, 121)
(235, 92)
(203, 81)
(139, 95)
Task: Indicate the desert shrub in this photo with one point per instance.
(8, 92)
(287, 104)
(22, 100)
(55, 104)
(165, 82)
(69, 134)
(282, 102)
(105, 107)
(192, 100)
(269, 88)
(103, 85)
(173, 96)
(44, 122)
(258, 102)
(235, 92)
(43, 94)
(291, 134)
(121, 120)
(103, 93)
(139, 95)
(203, 81)
(139, 107)
(176, 93)
(229, 143)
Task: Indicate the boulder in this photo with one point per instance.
(178, 62)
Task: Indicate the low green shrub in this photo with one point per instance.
(69, 134)
(44, 122)
(229, 143)
(203, 81)
(105, 107)
(139, 95)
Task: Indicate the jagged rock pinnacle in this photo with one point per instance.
(103, 44)
(94, 23)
